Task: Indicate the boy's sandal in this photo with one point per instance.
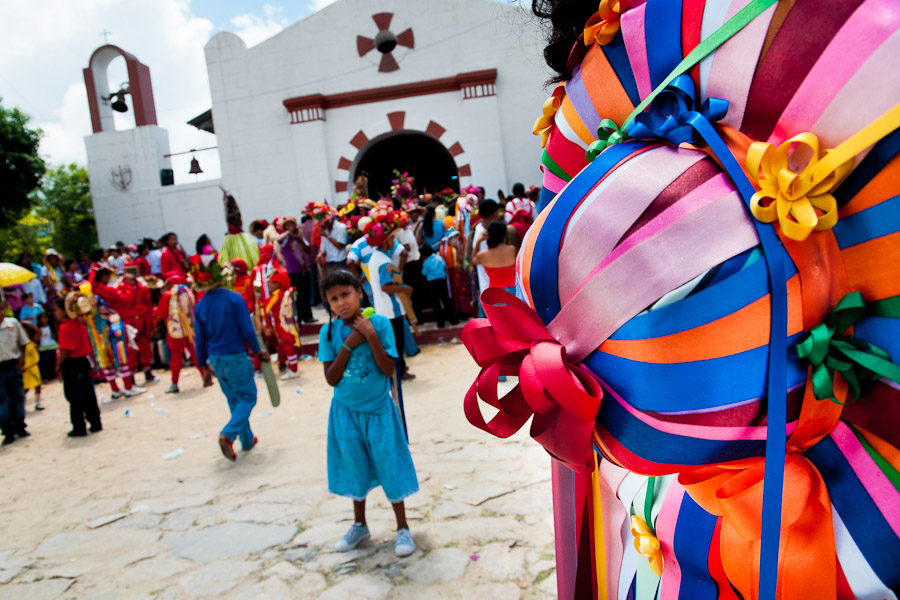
(227, 448)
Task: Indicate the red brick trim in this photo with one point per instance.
(464, 171)
(456, 149)
(464, 81)
(383, 20)
(345, 163)
(396, 119)
(434, 130)
(406, 39)
(340, 186)
(364, 45)
(359, 140)
(140, 86)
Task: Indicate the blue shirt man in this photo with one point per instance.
(223, 333)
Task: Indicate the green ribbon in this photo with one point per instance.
(721, 35)
(829, 349)
(608, 134)
(648, 503)
(554, 168)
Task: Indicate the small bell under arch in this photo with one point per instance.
(195, 166)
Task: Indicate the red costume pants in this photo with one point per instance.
(289, 353)
(176, 355)
(143, 355)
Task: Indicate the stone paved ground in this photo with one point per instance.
(107, 517)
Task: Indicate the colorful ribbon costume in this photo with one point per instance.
(710, 324)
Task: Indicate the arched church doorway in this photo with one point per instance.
(420, 155)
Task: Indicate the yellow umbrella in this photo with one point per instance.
(11, 274)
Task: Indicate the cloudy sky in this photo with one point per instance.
(47, 43)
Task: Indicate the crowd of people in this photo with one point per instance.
(428, 263)
(379, 267)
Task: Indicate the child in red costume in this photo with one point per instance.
(261, 320)
(281, 309)
(176, 310)
(243, 283)
(138, 314)
(118, 301)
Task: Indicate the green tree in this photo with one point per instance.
(64, 199)
(21, 167)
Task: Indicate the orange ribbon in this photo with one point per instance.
(603, 25)
(562, 396)
(544, 123)
(734, 492)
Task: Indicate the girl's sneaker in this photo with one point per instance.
(290, 375)
(352, 538)
(38, 406)
(404, 544)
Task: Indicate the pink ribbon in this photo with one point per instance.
(563, 396)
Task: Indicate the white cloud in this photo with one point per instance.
(320, 4)
(48, 43)
(253, 29)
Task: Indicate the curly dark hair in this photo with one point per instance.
(567, 19)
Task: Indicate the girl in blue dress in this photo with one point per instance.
(366, 443)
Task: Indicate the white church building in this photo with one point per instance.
(447, 90)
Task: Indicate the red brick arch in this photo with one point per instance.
(397, 120)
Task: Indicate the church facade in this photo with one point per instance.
(445, 90)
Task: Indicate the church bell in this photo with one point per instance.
(195, 166)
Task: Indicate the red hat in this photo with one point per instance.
(175, 278)
(281, 277)
(265, 254)
(240, 266)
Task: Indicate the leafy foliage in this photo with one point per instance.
(64, 199)
(21, 167)
(61, 217)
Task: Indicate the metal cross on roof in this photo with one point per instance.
(105, 33)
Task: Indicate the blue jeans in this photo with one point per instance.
(235, 374)
(12, 399)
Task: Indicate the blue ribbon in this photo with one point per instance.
(673, 116)
(668, 115)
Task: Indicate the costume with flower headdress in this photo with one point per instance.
(379, 232)
(329, 234)
(176, 311)
(708, 329)
(114, 348)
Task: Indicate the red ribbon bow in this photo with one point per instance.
(563, 397)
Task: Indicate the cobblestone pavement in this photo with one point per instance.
(108, 517)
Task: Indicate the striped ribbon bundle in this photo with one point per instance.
(710, 303)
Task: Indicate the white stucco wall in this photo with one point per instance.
(135, 212)
(275, 168)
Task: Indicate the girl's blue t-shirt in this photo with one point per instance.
(363, 387)
(437, 234)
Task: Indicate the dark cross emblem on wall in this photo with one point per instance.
(120, 177)
(385, 41)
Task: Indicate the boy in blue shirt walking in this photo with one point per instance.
(434, 271)
(222, 333)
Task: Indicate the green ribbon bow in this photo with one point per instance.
(608, 134)
(828, 349)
